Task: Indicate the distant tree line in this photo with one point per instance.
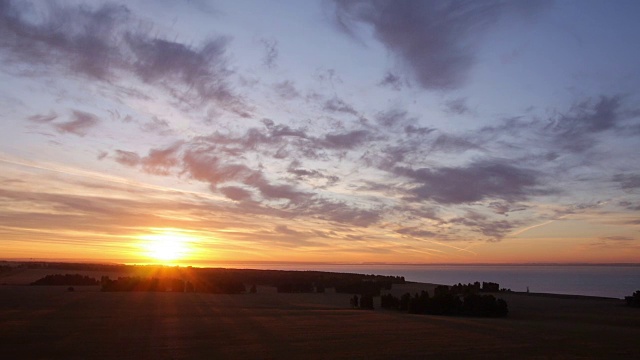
(633, 300)
(476, 287)
(315, 281)
(72, 266)
(66, 279)
(455, 300)
(228, 281)
(232, 281)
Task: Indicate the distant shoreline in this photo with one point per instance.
(203, 264)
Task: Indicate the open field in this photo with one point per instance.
(48, 323)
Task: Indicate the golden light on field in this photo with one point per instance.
(167, 246)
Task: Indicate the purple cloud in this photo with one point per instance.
(486, 226)
(286, 90)
(79, 125)
(127, 158)
(42, 118)
(270, 52)
(456, 106)
(475, 182)
(236, 193)
(337, 105)
(392, 80)
(346, 140)
(452, 144)
(627, 181)
(105, 43)
(436, 40)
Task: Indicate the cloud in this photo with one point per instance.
(236, 193)
(417, 232)
(452, 144)
(574, 129)
(627, 181)
(286, 90)
(503, 208)
(300, 173)
(392, 80)
(295, 168)
(590, 116)
(161, 161)
(617, 242)
(337, 105)
(42, 118)
(270, 191)
(108, 43)
(79, 125)
(456, 106)
(204, 166)
(284, 229)
(413, 130)
(436, 40)
(284, 130)
(486, 226)
(393, 117)
(475, 182)
(340, 212)
(158, 161)
(201, 162)
(270, 52)
(629, 205)
(559, 137)
(617, 238)
(348, 140)
(157, 125)
(127, 158)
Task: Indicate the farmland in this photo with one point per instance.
(47, 322)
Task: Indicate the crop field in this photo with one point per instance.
(48, 322)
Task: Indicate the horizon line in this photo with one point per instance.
(204, 263)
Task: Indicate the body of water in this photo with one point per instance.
(594, 280)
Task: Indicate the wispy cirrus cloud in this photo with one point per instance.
(79, 123)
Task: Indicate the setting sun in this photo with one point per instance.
(166, 246)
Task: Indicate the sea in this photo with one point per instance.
(614, 281)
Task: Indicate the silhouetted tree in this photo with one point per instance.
(633, 300)
(354, 301)
(404, 302)
(389, 301)
(366, 302)
(490, 287)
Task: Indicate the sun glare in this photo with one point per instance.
(166, 246)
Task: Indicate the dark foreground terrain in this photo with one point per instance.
(52, 323)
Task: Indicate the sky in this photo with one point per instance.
(200, 132)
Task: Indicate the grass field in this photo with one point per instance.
(51, 323)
